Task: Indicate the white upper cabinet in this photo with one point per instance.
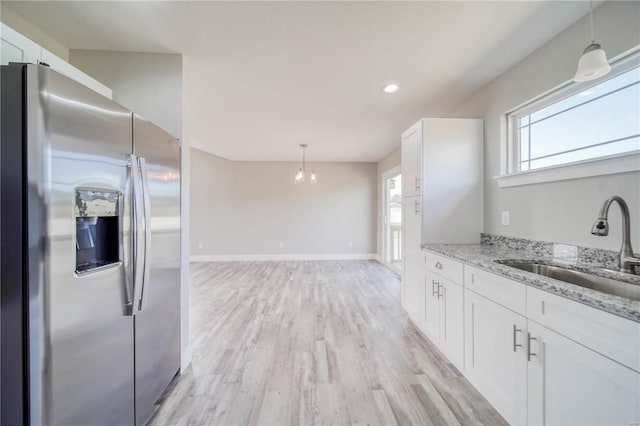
(14, 47)
(442, 165)
(411, 153)
(411, 213)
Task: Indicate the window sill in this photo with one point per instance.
(623, 163)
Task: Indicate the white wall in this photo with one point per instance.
(27, 29)
(185, 210)
(249, 208)
(560, 211)
(385, 164)
(148, 83)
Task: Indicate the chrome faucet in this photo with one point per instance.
(601, 228)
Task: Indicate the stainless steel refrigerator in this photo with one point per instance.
(90, 255)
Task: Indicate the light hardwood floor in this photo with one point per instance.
(312, 342)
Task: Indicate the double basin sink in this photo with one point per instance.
(582, 279)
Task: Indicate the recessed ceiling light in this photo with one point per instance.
(390, 88)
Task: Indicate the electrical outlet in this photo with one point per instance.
(506, 218)
(281, 245)
(350, 244)
(200, 244)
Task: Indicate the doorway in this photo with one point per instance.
(392, 218)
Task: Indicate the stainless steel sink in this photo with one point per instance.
(594, 282)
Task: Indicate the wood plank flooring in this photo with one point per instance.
(311, 342)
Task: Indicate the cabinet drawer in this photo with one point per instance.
(504, 291)
(444, 266)
(612, 336)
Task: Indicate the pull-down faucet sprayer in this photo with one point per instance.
(601, 228)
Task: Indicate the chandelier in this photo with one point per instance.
(300, 174)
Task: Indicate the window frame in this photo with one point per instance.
(510, 175)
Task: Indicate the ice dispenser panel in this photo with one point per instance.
(97, 229)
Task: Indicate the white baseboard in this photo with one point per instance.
(248, 257)
(185, 358)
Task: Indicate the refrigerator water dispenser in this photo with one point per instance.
(98, 233)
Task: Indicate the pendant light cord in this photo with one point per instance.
(593, 40)
(304, 169)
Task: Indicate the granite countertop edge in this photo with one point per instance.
(484, 257)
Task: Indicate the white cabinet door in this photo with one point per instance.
(444, 316)
(432, 315)
(16, 47)
(9, 53)
(411, 153)
(572, 385)
(495, 358)
(412, 224)
(414, 288)
(452, 322)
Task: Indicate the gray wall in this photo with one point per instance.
(248, 208)
(387, 163)
(27, 29)
(148, 83)
(559, 211)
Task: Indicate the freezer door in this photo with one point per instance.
(157, 321)
(80, 333)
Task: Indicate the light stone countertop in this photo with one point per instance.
(485, 256)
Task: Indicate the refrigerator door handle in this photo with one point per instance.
(138, 266)
(147, 230)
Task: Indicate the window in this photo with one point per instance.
(578, 122)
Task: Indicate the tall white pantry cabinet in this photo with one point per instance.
(442, 200)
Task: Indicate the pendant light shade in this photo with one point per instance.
(300, 174)
(593, 62)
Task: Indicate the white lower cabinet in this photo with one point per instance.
(444, 316)
(537, 357)
(432, 316)
(569, 384)
(495, 358)
(414, 296)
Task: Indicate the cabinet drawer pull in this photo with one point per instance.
(417, 183)
(516, 330)
(529, 353)
(433, 287)
(417, 207)
(440, 295)
(438, 265)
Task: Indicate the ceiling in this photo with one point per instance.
(262, 77)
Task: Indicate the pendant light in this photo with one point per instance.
(593, 62)
(300, 174)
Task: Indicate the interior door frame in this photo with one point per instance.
(386, 252)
